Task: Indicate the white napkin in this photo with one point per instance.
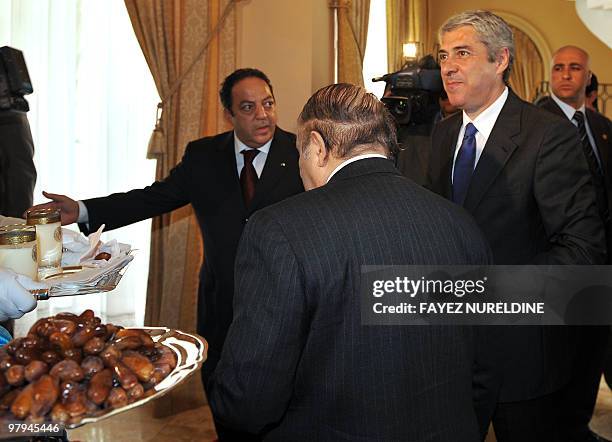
(79, 250)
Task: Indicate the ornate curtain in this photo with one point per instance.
(407, 20)
(528, 69)
(172, 34)
(353, 18)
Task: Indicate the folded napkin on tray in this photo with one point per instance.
(95, 274)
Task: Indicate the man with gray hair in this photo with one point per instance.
(520, 172)
(298, 364)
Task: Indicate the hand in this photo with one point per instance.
(15, 299)
(69, 208)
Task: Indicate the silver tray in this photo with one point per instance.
(190, 350)
(107, 281)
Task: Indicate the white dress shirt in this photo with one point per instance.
(569, 112)
(352, 160)
(258, 162)
(483, 123)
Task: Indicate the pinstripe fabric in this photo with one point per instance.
(298, 364)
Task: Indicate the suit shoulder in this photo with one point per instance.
(285, 140)
(449, 122)
(285, 135)
(206, 143)
(535, 119)
(599, 119)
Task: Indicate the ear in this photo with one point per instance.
(320, 149)
(503, 60)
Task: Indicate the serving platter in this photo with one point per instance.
(84, 280)
(190, 350)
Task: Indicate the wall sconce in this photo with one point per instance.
(410, 50)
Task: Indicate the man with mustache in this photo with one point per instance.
(570, 75)
(225, 178)
(521, 173)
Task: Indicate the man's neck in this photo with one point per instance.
(575, 102)
(473, 113)
(338, 163)
(567, 108)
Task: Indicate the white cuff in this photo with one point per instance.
(83, 214)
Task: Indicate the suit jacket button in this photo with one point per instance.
(246, 220)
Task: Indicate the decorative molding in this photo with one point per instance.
(533, 33)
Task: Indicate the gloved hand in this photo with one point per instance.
(15, 299)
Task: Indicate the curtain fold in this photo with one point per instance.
(171, 34)
(528, 69)
(407, 20)
(353, 16)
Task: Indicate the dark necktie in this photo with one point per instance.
(464, 164)
(586, 144)
(248, 176)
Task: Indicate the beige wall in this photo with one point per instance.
(556, 20)
(291, 42)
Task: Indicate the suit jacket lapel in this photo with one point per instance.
(274, 169)
(497, 151)
(554, 108)
(600, 144)
(229, 176)
(448, 145)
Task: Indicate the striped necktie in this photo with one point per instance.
(586, 144)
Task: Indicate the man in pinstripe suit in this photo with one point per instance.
(298, 364)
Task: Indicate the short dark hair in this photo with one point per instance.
(593, 84)
(225, 93)
(348, 117)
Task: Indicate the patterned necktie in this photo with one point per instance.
(248, 176)
(464, 164)
(586, 144)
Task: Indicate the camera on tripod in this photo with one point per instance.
(412, 93)
(14, 80)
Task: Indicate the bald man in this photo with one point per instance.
(570, 75)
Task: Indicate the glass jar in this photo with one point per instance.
(48, 240)
(18, 249)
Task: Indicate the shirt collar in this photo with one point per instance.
(485, 121)
(352, 160)
(568, 110)
(239, 146)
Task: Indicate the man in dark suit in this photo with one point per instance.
(298, 364)
(569, 78)
(521, 173)
(220, 178)
(570, 75)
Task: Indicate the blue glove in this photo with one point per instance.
(5, 336)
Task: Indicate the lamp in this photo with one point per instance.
(410, 50)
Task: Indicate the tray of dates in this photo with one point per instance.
(72, 369)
